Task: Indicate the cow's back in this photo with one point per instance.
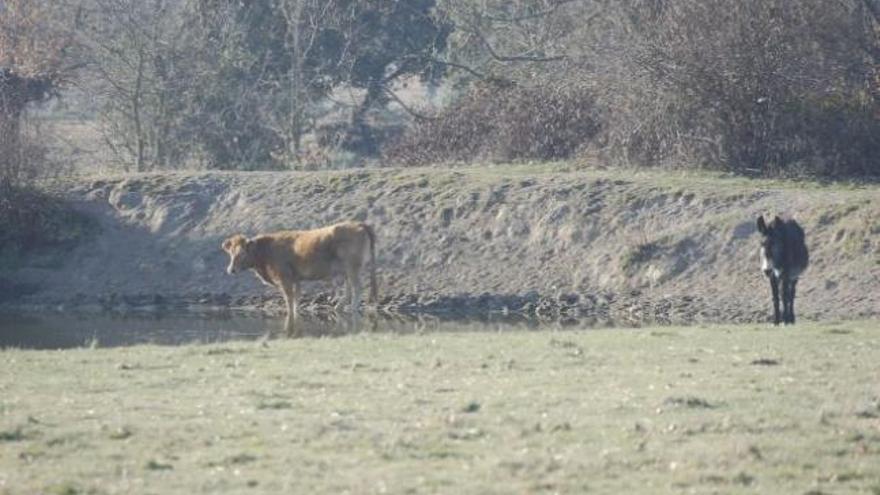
(318, 253)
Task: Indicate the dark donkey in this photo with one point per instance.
(784, 257)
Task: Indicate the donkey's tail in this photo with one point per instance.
(374, 292)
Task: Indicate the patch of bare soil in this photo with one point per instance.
(569, 246)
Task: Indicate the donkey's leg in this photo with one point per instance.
(791, 293)
(774, 290)
(786, 300)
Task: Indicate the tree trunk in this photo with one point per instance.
(359, 137)
(10, 146)
(136, 112)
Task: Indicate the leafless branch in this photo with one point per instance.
(406, 107)
(533, 15)
(463, 67)
(511, 58)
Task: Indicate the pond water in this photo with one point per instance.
(70, 330)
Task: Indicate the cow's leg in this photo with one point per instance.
(333, 290)
(291, 293)
(294, 306)
(348, 292)
(355, 301)
(353, 286)
(774, 290)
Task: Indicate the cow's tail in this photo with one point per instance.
(374, 291)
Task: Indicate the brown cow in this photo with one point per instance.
(283, 259)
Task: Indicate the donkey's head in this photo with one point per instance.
(772, 245)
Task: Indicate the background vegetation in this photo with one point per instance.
(766, 87)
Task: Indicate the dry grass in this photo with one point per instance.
(749, 409)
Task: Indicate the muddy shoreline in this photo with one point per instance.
(604, 310)
(544, 242)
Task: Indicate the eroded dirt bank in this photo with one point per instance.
(544, 242)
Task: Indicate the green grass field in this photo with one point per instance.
(726, 409)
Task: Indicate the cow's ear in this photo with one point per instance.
(762, 227)
(231, 242)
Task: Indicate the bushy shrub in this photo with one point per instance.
(30, 219)
(756, 86)
(829, 136)
(501, 121)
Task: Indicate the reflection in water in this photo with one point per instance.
(69, 330)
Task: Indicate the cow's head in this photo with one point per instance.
(772, 245)
(240, 251)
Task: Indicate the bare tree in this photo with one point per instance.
(34, 39)
(136, 62)
(304, 21)
(519, 39)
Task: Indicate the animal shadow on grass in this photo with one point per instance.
(765, 362)
(690, 402)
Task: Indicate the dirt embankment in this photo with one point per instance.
(542, 242)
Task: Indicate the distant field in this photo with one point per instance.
(720, 409)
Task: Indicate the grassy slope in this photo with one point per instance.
(685, 240)
(748, 409)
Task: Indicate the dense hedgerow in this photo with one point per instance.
(501, 121)
(30, 219)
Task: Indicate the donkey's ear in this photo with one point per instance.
(762, 227)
